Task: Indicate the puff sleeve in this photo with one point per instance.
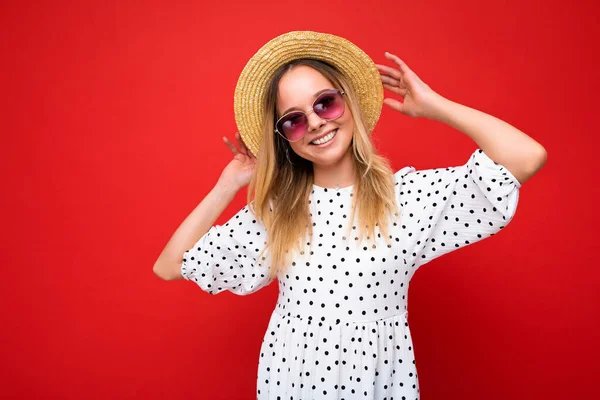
(445, 209)
(226, 257)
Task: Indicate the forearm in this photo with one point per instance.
(198, 222)
(502, 142)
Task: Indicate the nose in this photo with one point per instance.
(314, 121)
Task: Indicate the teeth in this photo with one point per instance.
(325, 139)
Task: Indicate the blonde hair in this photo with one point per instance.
(281, 191)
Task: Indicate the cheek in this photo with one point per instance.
(297, 148)
(346, 119)
(348, 123)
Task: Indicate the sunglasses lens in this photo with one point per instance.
(330, 105)
(293, 126)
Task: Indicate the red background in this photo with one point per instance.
(112, 118)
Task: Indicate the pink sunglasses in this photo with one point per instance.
(329, 105)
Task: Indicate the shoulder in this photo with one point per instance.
(401, 174)
(410, 179)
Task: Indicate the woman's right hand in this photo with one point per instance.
(239, 171)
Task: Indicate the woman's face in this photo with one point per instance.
(297, 90)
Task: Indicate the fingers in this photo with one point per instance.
(391, 75)
(397, 60)
(391, 81)
(233, 149)
(394, 85)
(392, 72)
(243, 147)
(401, 91)
(394, 104)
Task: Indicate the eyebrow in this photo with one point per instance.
(314, 97)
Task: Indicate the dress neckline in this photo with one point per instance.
(336, 189)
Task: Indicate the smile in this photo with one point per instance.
(324, 140)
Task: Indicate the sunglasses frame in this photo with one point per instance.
(312, 109)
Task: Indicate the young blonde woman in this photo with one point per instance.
(328, 217)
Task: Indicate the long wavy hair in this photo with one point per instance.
(280, 190)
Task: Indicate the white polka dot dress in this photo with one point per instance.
(340, 327)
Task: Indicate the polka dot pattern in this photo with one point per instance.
(226, 257)
(340, 327)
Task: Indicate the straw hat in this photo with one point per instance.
(350, 60)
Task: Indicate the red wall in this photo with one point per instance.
(112, 118)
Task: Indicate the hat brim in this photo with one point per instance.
(349, 59)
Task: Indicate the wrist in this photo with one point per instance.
(226, 189)
(441, 109)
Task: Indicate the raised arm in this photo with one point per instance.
(235, 176)
(520, 154)
(200, 220)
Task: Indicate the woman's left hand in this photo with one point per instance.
(419, 99)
